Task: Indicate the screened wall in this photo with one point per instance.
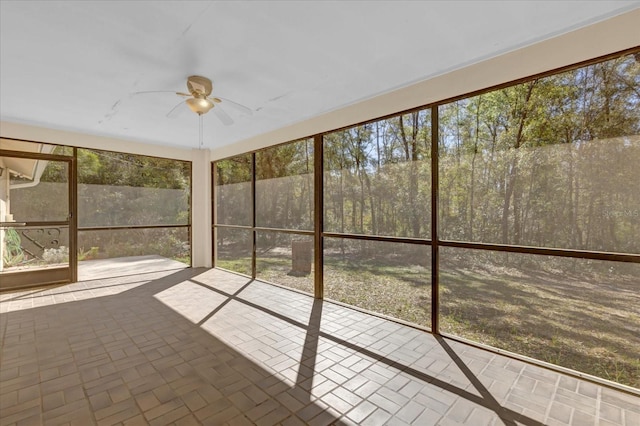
(509, 217)
(133, 205)
(92, 205)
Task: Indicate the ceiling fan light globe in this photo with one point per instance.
(199, 105)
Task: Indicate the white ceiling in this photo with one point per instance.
(75, 65)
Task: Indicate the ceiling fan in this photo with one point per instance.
(200, 101)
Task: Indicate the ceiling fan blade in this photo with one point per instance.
(177, 110)
(152, 91)
(237, 106)
(223, 116)
(148, 92)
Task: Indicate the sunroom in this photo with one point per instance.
(320, 213)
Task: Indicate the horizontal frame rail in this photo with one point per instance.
(545, 251)
(266, 229)
(284, 231)
(579, 254)
(220, 225)
(115, 228)
(35, 155)
(41, 224)
(405, 240)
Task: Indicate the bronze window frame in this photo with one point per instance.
(434, 241)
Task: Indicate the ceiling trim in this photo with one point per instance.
(31, 133)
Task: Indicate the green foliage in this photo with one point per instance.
(284, 186)
(90, 254)
(233, 190)
(12, 254)
(552, 162)
(121, 169)
(377, 177)
(125, 189)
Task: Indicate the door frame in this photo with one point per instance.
(37, 278)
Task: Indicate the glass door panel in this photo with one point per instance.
(35, 217)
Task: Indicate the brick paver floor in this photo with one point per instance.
(203, 346)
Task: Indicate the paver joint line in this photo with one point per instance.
(151, 354)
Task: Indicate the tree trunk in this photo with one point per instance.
(512, 177)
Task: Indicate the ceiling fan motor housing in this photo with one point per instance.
(199, 85)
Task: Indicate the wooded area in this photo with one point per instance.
(552, 162)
